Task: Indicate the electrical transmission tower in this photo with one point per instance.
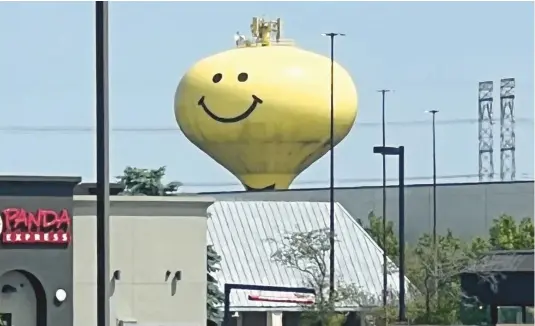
(507, 129)
(486, 140)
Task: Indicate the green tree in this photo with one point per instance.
(436, 300)
(506, 234)
(214, 297)
(375, 229)
(146, 182)
(307, 253)
(436, 276)
(149, 182)
(478, 246)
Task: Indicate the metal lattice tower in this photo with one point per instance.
(507, 129)
(486, 139)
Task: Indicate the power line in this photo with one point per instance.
(87, 129)
(346, 180)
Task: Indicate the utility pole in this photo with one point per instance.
(385, 257)
(435, 244)
(331, 172)
(400, 152)
(103, 170)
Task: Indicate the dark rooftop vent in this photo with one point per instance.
(91, 189)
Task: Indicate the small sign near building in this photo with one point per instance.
(45, 226)
(5, 319)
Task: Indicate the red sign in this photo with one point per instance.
(43, 226)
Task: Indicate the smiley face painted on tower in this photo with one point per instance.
(263, 112)
(242, 78)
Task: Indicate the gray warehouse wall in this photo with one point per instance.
(466, 209)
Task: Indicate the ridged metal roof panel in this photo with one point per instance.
(239, 231)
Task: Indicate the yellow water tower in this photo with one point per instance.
(262, 109)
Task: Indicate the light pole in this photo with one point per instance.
(331, 170)
(385, 262)
(435, 247)
(103, 174)
(400, 152)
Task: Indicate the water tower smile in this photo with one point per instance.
(262, 110)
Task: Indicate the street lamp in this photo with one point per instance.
(103, 172)
(435, 247)
(400, 152)
(385, 271)
(331, 170)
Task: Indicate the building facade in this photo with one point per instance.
(157, 255)
(36, 252)
(465, 208)
(48, 258)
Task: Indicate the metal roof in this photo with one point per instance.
(504, 261)
(239, 231)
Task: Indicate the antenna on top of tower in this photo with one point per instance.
(239, 38)
(264, 32)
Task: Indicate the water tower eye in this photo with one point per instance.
(243, 77)
(217, 78)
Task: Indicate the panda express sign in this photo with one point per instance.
(43, 226)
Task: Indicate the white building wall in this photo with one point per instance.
(148, 251)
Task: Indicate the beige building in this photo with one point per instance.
(158, 253)
(157, 265)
